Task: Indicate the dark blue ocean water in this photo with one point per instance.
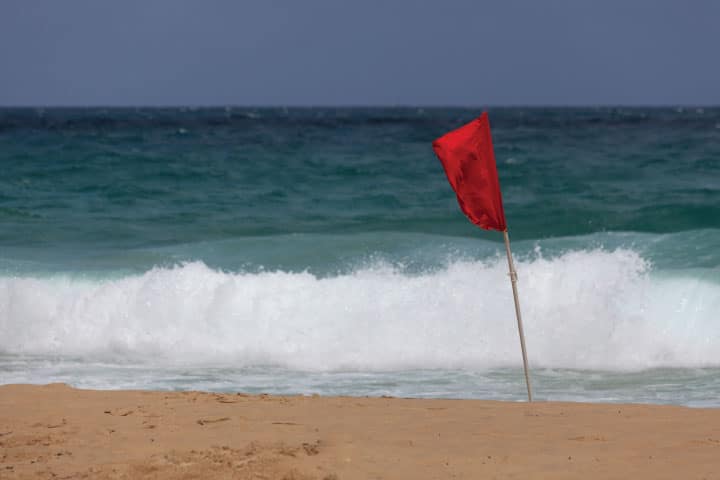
(303, 250)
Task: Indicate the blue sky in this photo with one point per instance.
(393, 52)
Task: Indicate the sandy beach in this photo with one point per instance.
(56, 431)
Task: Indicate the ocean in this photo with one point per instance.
(321, 251)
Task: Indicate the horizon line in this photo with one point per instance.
(370, 106)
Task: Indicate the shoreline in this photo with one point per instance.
(56, 431)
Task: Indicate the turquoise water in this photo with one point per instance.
(322, 251)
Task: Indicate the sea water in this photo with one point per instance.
(316, 250)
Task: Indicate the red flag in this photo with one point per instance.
(469, 162)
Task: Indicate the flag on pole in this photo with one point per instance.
(469, 162)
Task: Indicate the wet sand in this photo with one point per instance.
(55, 431)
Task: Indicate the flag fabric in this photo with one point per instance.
(469, 162)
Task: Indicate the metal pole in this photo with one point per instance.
(513, 280)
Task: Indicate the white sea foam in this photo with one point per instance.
(584, 309)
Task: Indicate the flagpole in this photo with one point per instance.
(513, 280)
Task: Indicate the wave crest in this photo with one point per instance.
(584, 309)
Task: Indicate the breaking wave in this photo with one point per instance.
(593, 309)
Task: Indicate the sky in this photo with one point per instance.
(359, 52)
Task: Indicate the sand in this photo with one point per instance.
(55, 431)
